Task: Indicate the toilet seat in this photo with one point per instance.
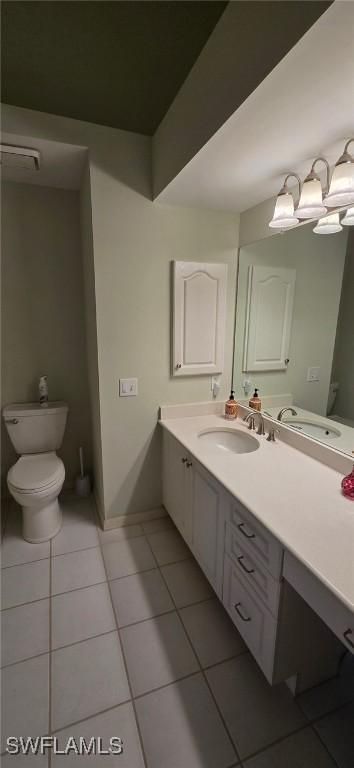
(37, 472)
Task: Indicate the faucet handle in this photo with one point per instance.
(271, 434)
(251, 424)
(261, 430)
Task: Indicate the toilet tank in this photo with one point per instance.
(34, 429)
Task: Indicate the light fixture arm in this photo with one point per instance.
(347, 145)
(323, 160)
(289, 176)
(346, 157)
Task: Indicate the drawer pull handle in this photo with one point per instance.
(189, 464)
(184, 460)
(237, 609)
(243, 566)
(248, 535)
(346, 637)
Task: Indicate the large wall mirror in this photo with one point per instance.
(294, 331)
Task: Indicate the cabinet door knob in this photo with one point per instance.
(178, 365)
(237, 609)
(346, 637)
(243, 566)
(189, 464)
(184, 460)
(244, 532)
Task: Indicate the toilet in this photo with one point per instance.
(37, 478)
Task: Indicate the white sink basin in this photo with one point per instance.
(313, 428)
(227, 439)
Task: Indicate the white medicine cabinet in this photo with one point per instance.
(199, 310)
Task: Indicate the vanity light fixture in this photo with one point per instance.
(348, 219)
(341, 190)
(310, 204)
(328, 225)
(283, 217)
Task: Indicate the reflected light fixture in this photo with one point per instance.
(328, 225)
(341, 190)
(283, 217)
(310, 205)
(348, 219)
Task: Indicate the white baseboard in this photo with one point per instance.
(132, 519)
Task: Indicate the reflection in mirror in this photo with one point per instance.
(294, 333)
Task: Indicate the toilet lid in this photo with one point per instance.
(35, 472)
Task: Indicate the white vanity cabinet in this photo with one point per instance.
(176, 484)
(243, 562)
(197, 505)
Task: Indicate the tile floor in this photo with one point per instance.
(118, 634)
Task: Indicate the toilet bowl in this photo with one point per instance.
(37, 477)
(35, 482)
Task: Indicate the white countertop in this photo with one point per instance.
(296, 497)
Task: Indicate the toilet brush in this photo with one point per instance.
(82, 483)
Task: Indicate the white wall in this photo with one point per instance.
(343, 364)
(43, 330)
(319, 263)
(134, 242)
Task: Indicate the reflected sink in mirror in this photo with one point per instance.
(312, 428)
(230, 440)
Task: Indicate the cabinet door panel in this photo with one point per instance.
(208, 524)
(175, 484)
(199, 301)
(269, 317)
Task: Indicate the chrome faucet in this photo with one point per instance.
(271, 436)
(251, 418)
(284, 410)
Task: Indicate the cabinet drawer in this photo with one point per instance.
(253, 621)
(327, 606)
(257, 539)
(267, 588)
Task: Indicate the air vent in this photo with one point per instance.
(19, 157)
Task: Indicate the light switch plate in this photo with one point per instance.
(128, 387)
(313, 374)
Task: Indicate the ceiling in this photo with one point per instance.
(303, 108)
(114, 63)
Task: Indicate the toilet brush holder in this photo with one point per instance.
(83, 482)
(83, 485)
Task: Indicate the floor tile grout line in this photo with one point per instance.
(201, 671)
(60, 648)
(26, 562)
(337, 765)
(275, 742)
(22, 605)
(91, 717)
(162, 613)
(53, 595)
(124, 660)
(60, 554)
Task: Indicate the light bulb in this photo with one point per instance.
(348, 219)
(310, 203)
(328, 225)
(283, 217)
(341, 190)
